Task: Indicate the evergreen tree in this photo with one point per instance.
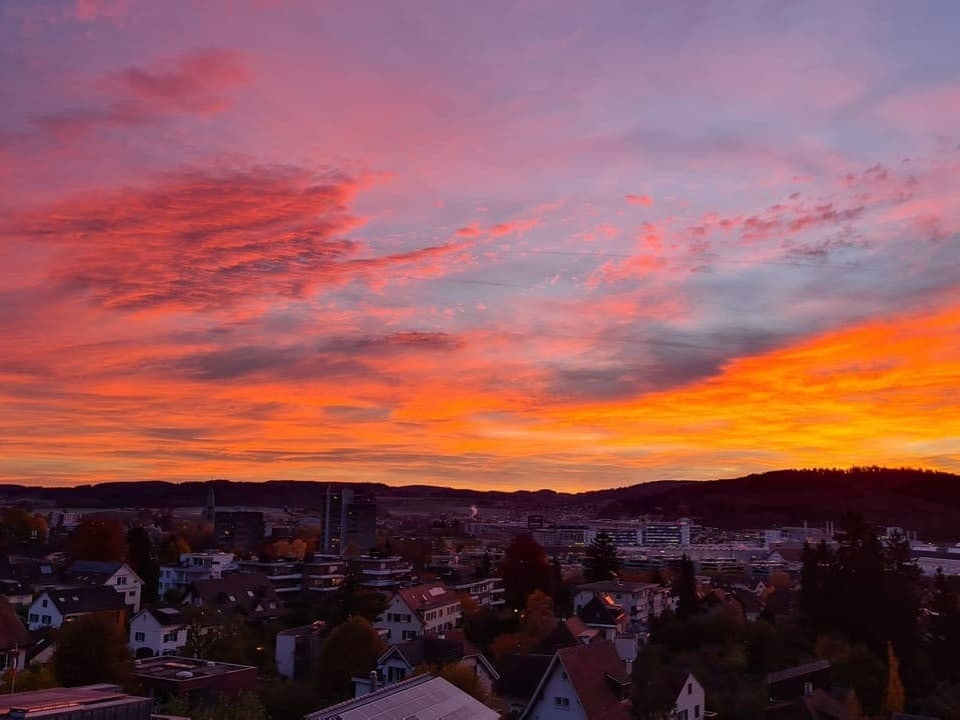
(601, 561)
(685, 589)
(351, 649)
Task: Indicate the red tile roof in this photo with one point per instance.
(427, 597)
(598, 675)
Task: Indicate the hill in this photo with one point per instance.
(921, 500)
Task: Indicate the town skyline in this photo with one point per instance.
(508, 247)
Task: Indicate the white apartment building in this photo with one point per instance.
(421, 610)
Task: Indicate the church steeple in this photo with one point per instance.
(210, 509)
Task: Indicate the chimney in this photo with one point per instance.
(374, 680)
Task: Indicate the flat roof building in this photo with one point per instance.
(87, 702)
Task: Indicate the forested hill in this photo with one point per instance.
(926, 501)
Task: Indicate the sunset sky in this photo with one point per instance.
(480, 244)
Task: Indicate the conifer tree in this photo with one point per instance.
(602, 561)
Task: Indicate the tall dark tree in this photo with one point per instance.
(601, 561)
(818, 587)
(685, 589)
(143, 562)
(92, 649)
(98, 539)
(944, 629)
(651, 696)
(525, 568)
(351, 649)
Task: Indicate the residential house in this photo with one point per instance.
(248, 594)
(425, 697)
(584, 682)
(567, 633)
(610, 621)
(16, 593)
(485, 592)
(14, 639)
(86, 702)
(690, 703)
(400, 660)
(157, 631)
(194, 566)
(117, 576)
(55, 606)
(791, 683)
(519, 678)
(641, 601)
(420, 610)
(296, 649)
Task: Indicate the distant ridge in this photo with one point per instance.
(922, 500)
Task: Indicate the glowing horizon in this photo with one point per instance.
(517, 246)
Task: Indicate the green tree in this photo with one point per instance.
(246, 706)
(651, 696)
(171, 547)
(98, 539)
(92, 649)
(351, 649)
(143, 562)
(601, 561)
(525, 568)
(538, 620)
(34, 677)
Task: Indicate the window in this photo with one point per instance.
(696, 711)
(34, 617)
(564, 675)
(170, 636)
(561, 701)
(44, 602)
(45, 620)
(689, 688)
(409, 634)
(122, 580)
(132, 593)
(682, 715)
(139, 637)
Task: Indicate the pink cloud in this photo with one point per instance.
(644, 200)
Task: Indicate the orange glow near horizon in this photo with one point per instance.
(348, 250)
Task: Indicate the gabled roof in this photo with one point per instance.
(427, 597)
(570, 632)
(95, 567)
(250, 594)
(798, 671)
(426, 649)
(96, 572)
(521, 674)
(599, 678)
(424, 697)
(84, 599)
(601, 610)
(166, 616)
(12, 632)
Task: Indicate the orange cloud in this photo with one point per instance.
(644, 200)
